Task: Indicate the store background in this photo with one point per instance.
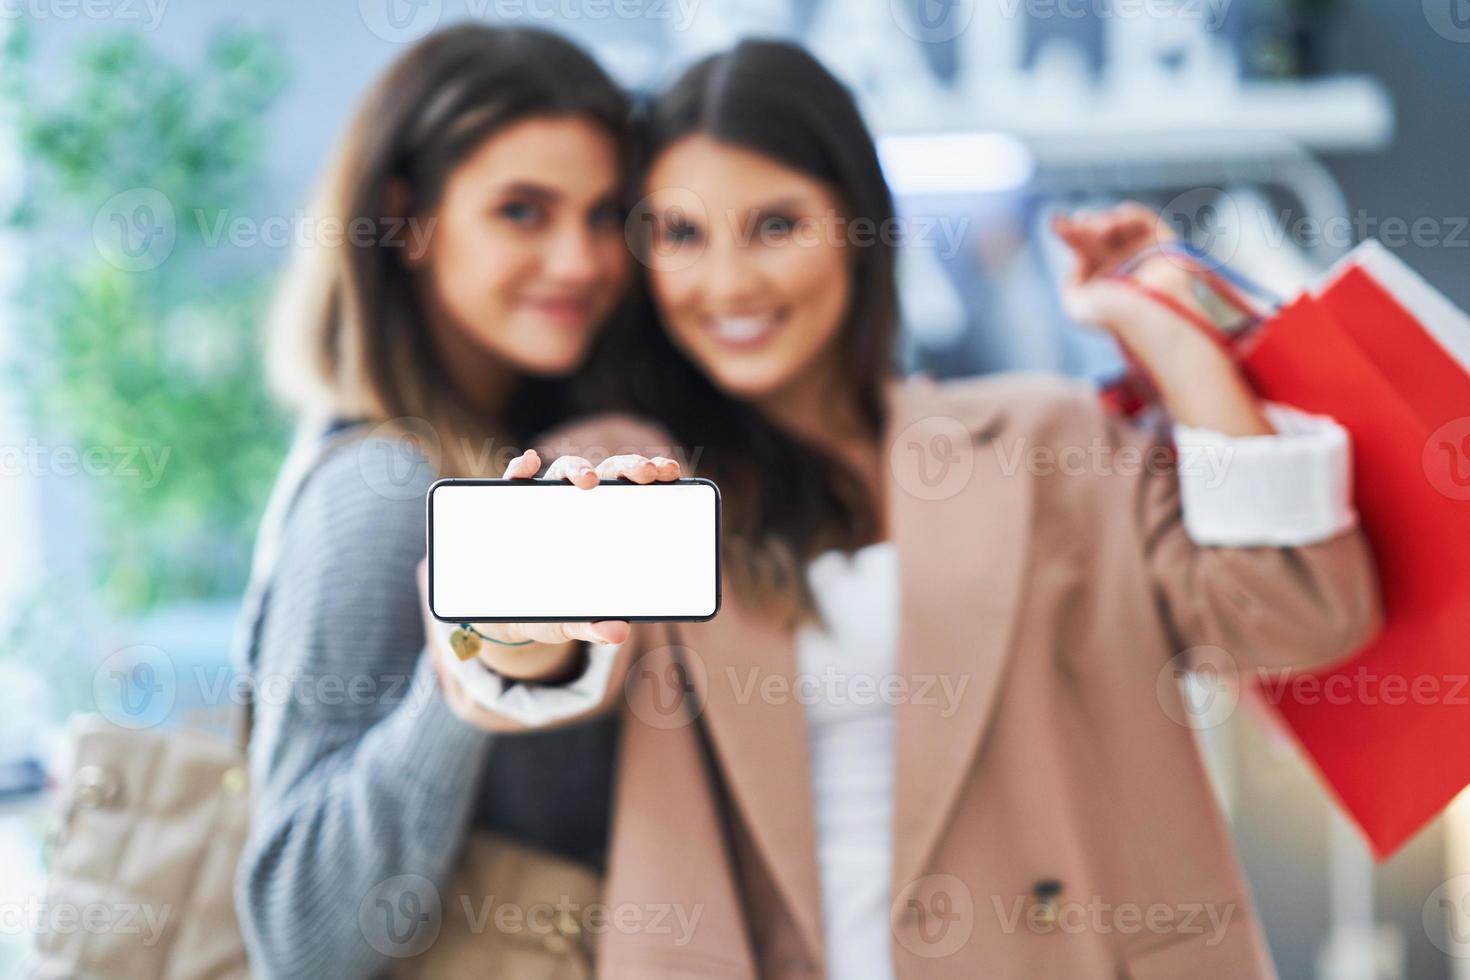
(1368, 111)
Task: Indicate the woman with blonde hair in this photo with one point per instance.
(471, 251)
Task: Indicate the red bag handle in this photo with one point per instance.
(1136, 389)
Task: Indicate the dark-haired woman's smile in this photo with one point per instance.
(749, 332)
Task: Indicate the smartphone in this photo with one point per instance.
(520, 551)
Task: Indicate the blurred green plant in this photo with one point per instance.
(161, 360)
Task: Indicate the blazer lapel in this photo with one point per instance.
(962, 554)
(745, 667)
(962, 558)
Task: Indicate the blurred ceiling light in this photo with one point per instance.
(954, 163)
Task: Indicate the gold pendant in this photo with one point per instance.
(464, 643)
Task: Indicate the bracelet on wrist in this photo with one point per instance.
(466, 641)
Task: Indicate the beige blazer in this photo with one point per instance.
(1052, 821)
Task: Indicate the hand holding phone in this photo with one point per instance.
(543, 563)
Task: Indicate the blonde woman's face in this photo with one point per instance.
(526, 257)
(749, 264)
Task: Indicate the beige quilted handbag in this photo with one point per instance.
(149, 826)
(148, 829)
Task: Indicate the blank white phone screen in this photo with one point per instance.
(549, 550)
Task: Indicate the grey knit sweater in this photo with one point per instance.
(360, 772)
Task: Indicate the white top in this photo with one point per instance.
(1288, 489)
(849, 714)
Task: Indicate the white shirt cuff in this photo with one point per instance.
(535, 705)
(1285, 490)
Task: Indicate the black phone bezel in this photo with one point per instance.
(537, 483)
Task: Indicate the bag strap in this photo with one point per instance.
(305, 456)
(1232, 286)
(1135, 389)
(724, 799)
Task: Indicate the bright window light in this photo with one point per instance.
(954, 163)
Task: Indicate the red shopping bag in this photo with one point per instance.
(1381, 351)
(1377, 349)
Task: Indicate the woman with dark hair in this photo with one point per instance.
(475, 208)
(935, 730)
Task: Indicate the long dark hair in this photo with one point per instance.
(774, 98)
(348, 335)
